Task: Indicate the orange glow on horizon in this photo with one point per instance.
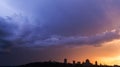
(107, 54)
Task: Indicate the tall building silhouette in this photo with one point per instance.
(73, 61)
(96, 63)
(65, 61)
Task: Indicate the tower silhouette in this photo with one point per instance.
(96, 63)
(65, 61)
(73, 61)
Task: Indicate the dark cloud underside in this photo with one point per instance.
(61, 22)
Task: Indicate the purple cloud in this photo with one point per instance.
(60, 23)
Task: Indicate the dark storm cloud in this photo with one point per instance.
(63, 22)
(6, 33)
(60, 17)
(56, 40)
(79, 16)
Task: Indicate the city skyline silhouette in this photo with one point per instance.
(65, 63)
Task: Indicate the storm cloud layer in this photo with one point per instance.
(6, 32)
(64, 22)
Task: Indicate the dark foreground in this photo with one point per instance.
(56, 64)
(50, 63)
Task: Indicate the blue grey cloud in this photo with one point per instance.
(6, 34)
(79, 16)
(57, 40)
(60, 22)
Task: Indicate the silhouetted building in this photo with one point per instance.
(83, 62)
(65, 61)
(78, 62)
(96, 63)
(116, 66)
(100, 64)
(73, 61)
(87, 63)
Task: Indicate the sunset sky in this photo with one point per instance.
(43, 30)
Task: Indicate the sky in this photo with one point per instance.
(43, 30)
